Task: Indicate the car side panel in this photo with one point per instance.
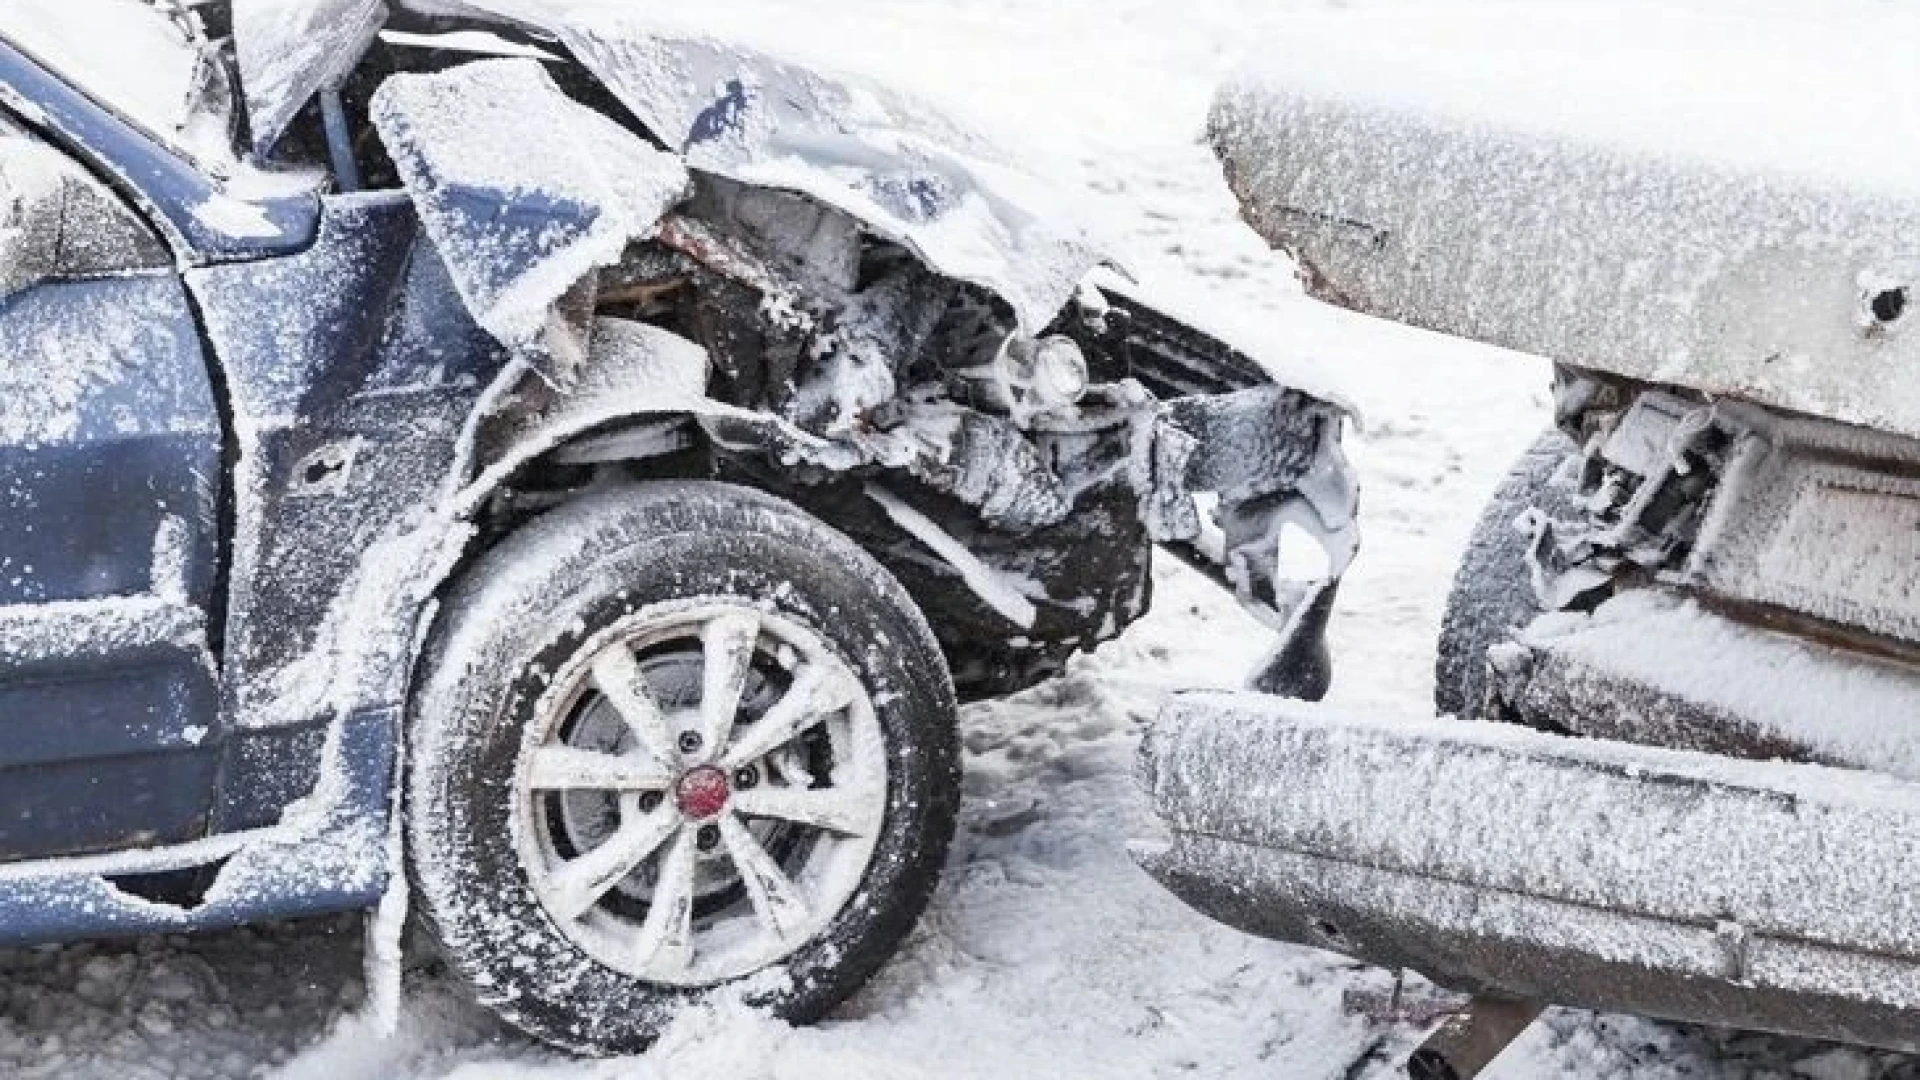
(352, 368)
(105, 388)
(109, 480)
(200, 219)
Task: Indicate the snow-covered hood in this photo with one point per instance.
(908, 172)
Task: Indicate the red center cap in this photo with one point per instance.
(702, 792)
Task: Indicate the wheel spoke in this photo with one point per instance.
(564, 768)
(816, 692)
(579, 885)
(847, 811)
(617, 676)
(728, 644)
(776, 900)
(664, 946)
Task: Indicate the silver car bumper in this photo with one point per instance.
(1513, 864)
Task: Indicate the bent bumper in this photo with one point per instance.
(1504, 862)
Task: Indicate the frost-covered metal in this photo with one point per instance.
(900, 167)
(1706, 572)
(1563, 186)
(523, 191)
(1687, 885)
(269, 405)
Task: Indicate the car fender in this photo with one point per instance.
(636, 375)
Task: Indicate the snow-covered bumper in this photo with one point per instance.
(1513, 864)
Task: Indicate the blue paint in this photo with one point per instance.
(146, 172)
(59, 900)
(119, 482)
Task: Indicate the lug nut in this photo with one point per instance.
(708, 838)
(689, 742)
(650, 801)
(745, 777)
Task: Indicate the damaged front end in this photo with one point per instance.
(850, 305)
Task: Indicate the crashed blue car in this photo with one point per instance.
(558, 475)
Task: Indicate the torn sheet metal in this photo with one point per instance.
(1271, 457)
(289, 50)
(908, 173)
(523, 192)
(635, 371)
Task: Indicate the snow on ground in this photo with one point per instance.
(1046, 953)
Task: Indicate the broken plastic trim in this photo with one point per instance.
(990, 585)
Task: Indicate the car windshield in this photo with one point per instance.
(140, 59)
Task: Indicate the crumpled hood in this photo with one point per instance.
(909, 173)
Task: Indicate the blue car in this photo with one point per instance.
(558, 474)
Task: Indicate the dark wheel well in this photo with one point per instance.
(1492, 593)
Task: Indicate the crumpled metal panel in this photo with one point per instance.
(901, 168)
(289, 50)
(523, 191)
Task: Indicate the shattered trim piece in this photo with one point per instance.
(990, 585)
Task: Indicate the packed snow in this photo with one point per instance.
(1046, 952)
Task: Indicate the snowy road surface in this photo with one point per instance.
(1045, 953)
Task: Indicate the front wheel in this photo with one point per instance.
(670, 738)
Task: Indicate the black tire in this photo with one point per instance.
(532, 601)
(1493, 591)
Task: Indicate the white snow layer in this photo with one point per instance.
(1045, 952)
(732, 109)
(1797, 852)
(288, 49)
(144, 70)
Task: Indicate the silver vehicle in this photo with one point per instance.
(1677, 769)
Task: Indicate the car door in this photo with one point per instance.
(110, 488)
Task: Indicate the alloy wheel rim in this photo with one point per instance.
(728, 830)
